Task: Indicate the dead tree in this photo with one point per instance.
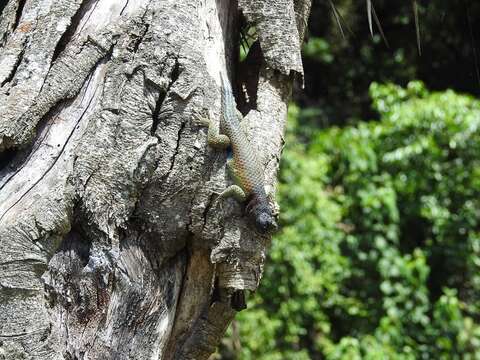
(112, 245)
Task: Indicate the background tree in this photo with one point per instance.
(111, 244)
(339, 69)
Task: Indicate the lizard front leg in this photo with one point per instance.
(234, 191)
(214, 138)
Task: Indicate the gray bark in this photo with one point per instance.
(111, 243)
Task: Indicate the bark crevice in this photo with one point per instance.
(15, 66)
(18, 14)
(71, 29)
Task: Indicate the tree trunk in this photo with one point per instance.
(112, 245)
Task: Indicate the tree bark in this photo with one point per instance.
(112, 245)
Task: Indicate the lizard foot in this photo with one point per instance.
(201, 119)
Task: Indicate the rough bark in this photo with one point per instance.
(112, 245)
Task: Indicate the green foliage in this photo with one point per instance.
(318, 49)
(379, 253)
(248, 35)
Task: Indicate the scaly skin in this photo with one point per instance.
(244, 167)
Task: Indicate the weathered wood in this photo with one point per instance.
(112, 245)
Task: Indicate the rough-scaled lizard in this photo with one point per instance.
(244, 166)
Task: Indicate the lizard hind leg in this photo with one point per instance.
(214, 138)
(217, 140)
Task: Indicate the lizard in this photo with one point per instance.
(244, 166)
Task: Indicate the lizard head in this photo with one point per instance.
(265, 222)
(261, 215)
